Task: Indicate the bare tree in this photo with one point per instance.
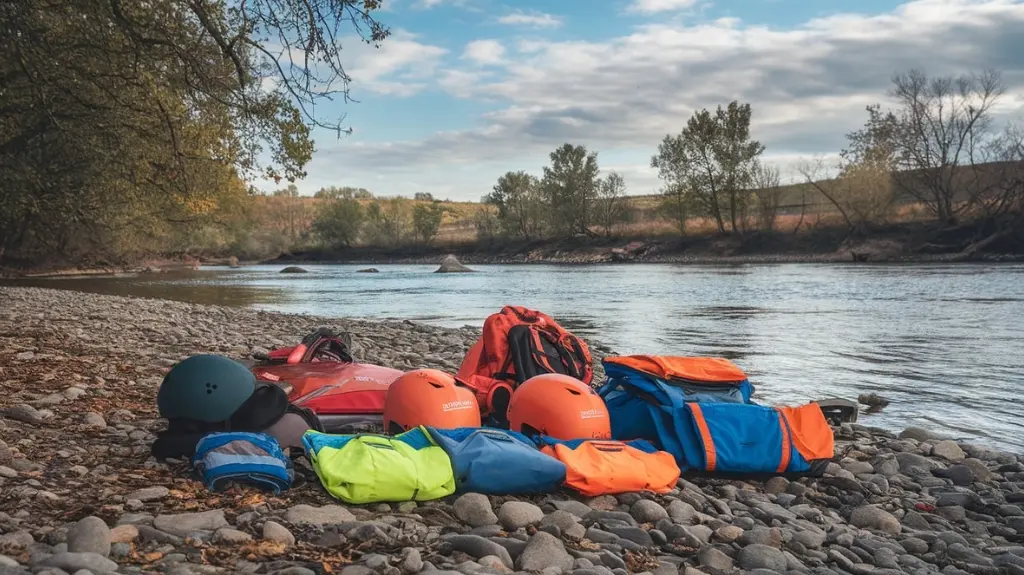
(938, 127)
(862, 193)
(767, 193)
(610, 207)
(996, 177)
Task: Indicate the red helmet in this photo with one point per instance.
(429, 397)
(558, 406)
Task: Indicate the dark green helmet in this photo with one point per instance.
(207, 388)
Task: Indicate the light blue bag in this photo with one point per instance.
(243, 457)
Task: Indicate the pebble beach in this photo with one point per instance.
(80, 492)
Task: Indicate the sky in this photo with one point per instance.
(466, 90)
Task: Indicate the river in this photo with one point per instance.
(943, 343)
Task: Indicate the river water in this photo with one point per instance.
(943, 343)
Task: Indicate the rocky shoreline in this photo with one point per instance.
(79, 492)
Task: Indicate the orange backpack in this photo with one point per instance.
(599, 467)
(517, 344)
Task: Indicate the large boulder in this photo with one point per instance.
(451, 265)
(294, 270)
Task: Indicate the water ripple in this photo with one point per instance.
(942, 342)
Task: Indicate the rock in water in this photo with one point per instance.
(451, 265)
(294, 270)
(368, 271)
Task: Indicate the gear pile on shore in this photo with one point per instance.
(80, 493)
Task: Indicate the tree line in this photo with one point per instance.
(939, 146)
(129, 127)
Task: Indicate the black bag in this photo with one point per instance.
(265, 407)
(535, 352)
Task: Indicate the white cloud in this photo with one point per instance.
(656, 6)
(808, 86)
(401, 66)
(484, 52)
(534, 19)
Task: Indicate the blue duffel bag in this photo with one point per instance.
(498, 461)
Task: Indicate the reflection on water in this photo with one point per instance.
(202, 286)
(942, 343)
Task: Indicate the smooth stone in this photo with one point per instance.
(325, 515)
(874, 517)
(89, 535)
(182, 524)
(274, 531)
(543, 550)
(474, 509)
(516, 514)
(72, 562)
(762, 557)
(647, 511)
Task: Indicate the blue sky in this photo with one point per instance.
(465, 90)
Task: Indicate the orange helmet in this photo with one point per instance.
(558, 406)
(429, 397)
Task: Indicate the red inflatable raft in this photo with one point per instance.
(321, 375)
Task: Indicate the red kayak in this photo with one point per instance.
(321, 375)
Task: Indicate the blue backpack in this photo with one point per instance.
(498, 461)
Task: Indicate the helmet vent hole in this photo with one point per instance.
(209, 391)
(436, 385)
(573, 391)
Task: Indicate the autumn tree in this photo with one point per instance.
(570, 186)
(520, 204)
(611, 205)
(120, 117)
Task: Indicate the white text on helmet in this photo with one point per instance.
(457, 405)
(592, 414)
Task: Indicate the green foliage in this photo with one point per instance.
(711, 161)
(423, 197)
(570, 186)
(486, 224)
(387, 222)
(339, 221)
(342, 192)
(521, 204)
(128, 127)
(426, 220)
